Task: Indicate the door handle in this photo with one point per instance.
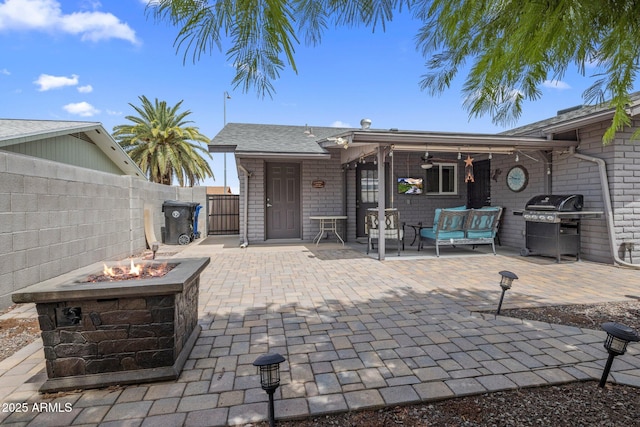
(269, 205)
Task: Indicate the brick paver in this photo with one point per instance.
(356, 333)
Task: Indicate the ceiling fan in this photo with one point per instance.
(428, 160)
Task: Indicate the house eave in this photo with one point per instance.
(442, 141)
(272, 155)
(222, 148)
(577, 123)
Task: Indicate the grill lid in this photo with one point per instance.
(555, 202)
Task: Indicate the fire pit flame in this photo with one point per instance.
(134, 271)
(108, 271)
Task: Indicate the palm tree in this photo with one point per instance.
(160, 142)
(510, 48)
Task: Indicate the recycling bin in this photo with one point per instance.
(196, 233)
(178, 221)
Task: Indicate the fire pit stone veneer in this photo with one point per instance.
(121, 332)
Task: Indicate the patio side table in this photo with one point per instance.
(416, 231)
(328, 223)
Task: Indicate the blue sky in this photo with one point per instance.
(86, 60)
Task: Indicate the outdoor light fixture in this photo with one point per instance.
(618, 336)
(269, 366)
(506, 280)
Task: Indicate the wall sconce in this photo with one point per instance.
(269, 367)
(506, 280)
(618, 336)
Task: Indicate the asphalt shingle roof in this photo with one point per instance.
(567, 116)
(18, 128)
(261, 138)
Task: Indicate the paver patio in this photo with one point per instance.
(356, 332)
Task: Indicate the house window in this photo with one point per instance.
(369, 186)
(442, 178)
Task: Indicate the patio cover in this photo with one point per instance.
(363, 143)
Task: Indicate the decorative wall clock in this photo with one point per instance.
(517, 178)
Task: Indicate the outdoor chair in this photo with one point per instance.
(393, 229)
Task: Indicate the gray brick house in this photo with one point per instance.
(290, 173)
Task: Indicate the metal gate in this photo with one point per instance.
(224, 214)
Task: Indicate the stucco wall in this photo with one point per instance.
(55, 218)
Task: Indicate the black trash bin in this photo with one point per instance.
(178, 221)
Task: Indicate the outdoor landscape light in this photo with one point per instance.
(269, 366)
(618, 336)
(506, 280)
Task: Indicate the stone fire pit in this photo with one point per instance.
(120, 332)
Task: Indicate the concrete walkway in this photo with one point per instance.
(356, 332)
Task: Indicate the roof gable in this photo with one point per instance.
(17, 131)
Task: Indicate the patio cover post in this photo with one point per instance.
(381, 203)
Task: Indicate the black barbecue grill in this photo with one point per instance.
(553, 225)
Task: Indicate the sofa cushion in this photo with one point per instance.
(437, 213)
(480, 234)
(388, 233)
(444, 235)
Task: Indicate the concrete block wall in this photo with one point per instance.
(570, 175)
(256, 199)
(316, 201)
(55, 218)
(623, 172)
(512, 227)
(329, 200)
(625, 193)
(575, 176)
(414, 208)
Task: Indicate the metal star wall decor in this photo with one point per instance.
(468, 169)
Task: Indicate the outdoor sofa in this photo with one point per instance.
(462, 226)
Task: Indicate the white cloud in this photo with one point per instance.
(5, 72)
(85, 89)
(114, 113)
(46, 15)
(47, 82)
(340, 124)
(556, 84)
(83, 109)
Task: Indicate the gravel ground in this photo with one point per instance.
(16, 333)
(575, 404)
